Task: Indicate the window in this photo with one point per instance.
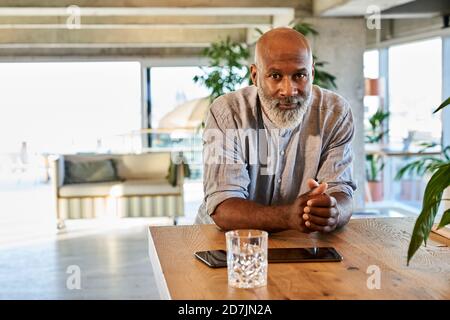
(372, 100)
(415, 84)
(371, 64)
(172, 86)
(67, 106)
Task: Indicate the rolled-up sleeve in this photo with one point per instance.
(225, 170)
(336, 159)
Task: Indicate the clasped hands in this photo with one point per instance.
(315, 210)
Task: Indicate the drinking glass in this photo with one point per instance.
(247, 258)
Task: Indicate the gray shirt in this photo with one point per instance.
(246, 156)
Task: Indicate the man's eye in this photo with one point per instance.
(300, 75)
(275, 76)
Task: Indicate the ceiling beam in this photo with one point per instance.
(155, 20)
(349, 8)
(140, 22)
(38, 54)
(418, 9)
(300, 5)
(143, 11)
(79, 38)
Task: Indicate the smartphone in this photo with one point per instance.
(318, 254)
(218, 258)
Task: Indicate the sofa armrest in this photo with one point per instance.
(57, 171)
(57, 178)
(180, 176)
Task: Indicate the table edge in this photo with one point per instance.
(160, 280)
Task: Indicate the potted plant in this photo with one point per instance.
(411, 175)
(432, 197)
(374, 161)
(227, 69)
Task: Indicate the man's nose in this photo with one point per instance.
(288, 89)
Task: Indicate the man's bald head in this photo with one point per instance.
(280, 44)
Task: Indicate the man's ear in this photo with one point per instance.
(253, 73)
(313, 71)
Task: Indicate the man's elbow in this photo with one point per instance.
(218, 216)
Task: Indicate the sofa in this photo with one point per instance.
(141, 188)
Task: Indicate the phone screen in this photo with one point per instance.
(324, 254)
(213, 258)
(218, 258)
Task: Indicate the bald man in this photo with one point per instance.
(299, 134)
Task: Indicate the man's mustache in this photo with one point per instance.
(289, 100)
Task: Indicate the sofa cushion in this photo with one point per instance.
(147, 166)
(86, 189)
(126, 188)
(90, 171)
(144, 187)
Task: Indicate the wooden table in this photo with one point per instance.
(364, 243)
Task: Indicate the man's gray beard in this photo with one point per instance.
(284, 119)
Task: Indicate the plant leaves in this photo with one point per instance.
(259, 31)
(446, 153)
(445, 219)
(443, 104)
(227, 67)
(303, 27)
(431, 200)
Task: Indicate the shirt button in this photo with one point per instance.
(282, 152)
(279, 180)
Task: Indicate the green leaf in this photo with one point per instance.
(445, 219)
(303, 27)
(407, 168)
(446, 153)
(374, 165)
(443, 104)
(324, 79)
(259, 31)
(227, 67)
(431, 200)
(421, 166)
(427, 145)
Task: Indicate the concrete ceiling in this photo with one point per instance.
(418, 9)
(149, 25)
(139, 24)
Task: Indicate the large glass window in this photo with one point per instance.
(371, 64)
(178, 107)
(415, 84)
(67, 106)
(372, 100)
(171, 87)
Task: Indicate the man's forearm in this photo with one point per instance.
(344, 206)
(237, 213)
